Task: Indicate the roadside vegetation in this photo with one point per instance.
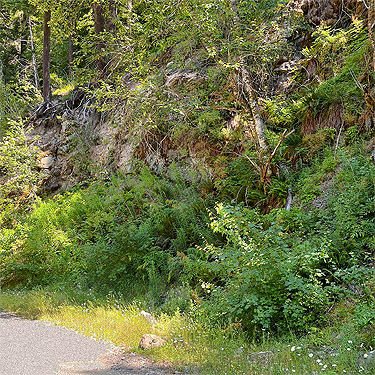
(255, 258)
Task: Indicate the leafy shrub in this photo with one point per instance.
(282, 270)
(107, 235)
(19, 177)
(351, 211)
(264, 276)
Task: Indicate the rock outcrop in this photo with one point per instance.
(332, 11)
(77, 141)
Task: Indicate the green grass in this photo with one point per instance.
(338, 349)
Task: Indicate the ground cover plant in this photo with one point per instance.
(245, 222)
(226, 267)
(341, 347)
(106, 234)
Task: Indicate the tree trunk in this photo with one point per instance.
(99, 25)
(35, 68)
(112, 16)
(233, 6)
(46, 57)
(70, 55)
(371, 27)
(289, 199)
(252, 102)
(130, 16)
(251, 96)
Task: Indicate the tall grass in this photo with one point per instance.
(192, 345)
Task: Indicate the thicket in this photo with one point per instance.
(223, 250)
(157, 236)
(110, 234)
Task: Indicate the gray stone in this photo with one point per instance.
(46, 162)
(150, 341)
(148, 317)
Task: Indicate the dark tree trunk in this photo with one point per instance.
(99, 25)
(371, 27)
(35, 68)
(70, 55)
(112, 16)
(46, 57)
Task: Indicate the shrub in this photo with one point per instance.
(264, 276)
(108, 235)
(19, 177)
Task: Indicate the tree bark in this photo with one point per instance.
(289, 200)
(130, 16)
(70, 55)
(371, 27)
(35, 68)
(46, 57)
(112, 16)
(233, 6)
(252, 102)
(99, 25)
(251, 96)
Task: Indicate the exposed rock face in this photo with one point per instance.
(331, 11)
(150, 341)
(76, 142)
(180, 77)
(46, 162)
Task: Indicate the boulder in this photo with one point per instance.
(46, 162)
(150, 341)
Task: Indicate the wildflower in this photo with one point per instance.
(311, 355)
(365, 355)
(350, 342)
(348, 349)
(293, 348)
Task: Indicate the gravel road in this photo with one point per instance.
(29, 347)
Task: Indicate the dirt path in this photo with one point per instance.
(29, 347)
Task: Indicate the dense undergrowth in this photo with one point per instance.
(227, 271)
(343, 346)
(221, 278)
(278, 271)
